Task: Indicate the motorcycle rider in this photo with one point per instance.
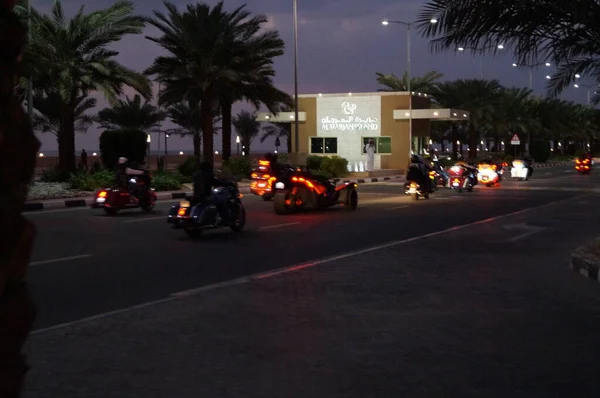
(127, 168)
(470, 169)
(204, 180)
(418, 171)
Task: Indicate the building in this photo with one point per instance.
(341, 124)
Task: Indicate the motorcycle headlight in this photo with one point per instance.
(279, 185)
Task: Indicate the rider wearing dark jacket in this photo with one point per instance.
(204, 180)
(418, 171)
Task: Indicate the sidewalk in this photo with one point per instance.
(400, 321)
(36, 205)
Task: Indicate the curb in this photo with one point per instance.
(88, 201)
(554, 164)
(374, 179)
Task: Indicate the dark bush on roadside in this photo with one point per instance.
(313, 162)
(336, 166)
(239, 167)
(166, 181)
(188, 167)
(54, 175)
(90, 182)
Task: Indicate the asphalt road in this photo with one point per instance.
(86, 263)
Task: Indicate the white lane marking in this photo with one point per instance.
(268, 274)
(57, 260)
(100, 316)
(278, 226)
(147, 219)
(397, 207)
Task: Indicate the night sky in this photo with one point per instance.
(341, 45)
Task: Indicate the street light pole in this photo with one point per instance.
(408, 25)
(296, 122)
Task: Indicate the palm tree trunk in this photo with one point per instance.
(473, 141)
(206, 112)
(197, 139)
(246, 145)
(66, 142)
(454, 136)
(226, 129)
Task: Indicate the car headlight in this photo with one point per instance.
(279, 185)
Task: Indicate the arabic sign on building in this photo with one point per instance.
(349, 114)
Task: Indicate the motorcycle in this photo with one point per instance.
(263, 181)
(442, 177)
(487, 174)
(583, 165)
(303, 190)
(415, 190)
(460, 179)
(137, 194)
(195, 216)
(521, 170)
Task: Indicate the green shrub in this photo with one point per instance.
(189, 166)
(335, 165)
(238, 166)
(314, 162)
(90, 182)
(166, 182)
(54, 175)
(96, 167)
(283, 157)
(322, 173)
(128, 143)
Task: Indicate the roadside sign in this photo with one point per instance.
(515, 140)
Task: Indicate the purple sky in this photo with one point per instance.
(341, 45)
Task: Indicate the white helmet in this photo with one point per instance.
(123, 160)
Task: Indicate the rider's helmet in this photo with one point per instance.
(414, 159)
(123, 160)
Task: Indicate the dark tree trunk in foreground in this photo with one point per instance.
(197, 140)
(66, 142)
(206, 111)
(226, 130)
(18, 149)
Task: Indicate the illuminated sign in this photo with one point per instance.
(350, 123)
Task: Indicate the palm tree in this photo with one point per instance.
(203, 57)
(257, 48)
(188, 118)
(279, 130)
(424, 84)
(73, 60)
(517, 115)
(247, 128)
(48, 117)
(479, 97)
(130, 114)
(565, 32)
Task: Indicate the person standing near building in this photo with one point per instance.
(84, 164)
(370, 150)
(18, 149)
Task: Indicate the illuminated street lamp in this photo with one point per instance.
(479, 51)
(408, 25)
(237, 141)
(531, 67)
(591, 88)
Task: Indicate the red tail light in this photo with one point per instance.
(182, 211)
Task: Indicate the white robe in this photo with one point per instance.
(370, 149)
